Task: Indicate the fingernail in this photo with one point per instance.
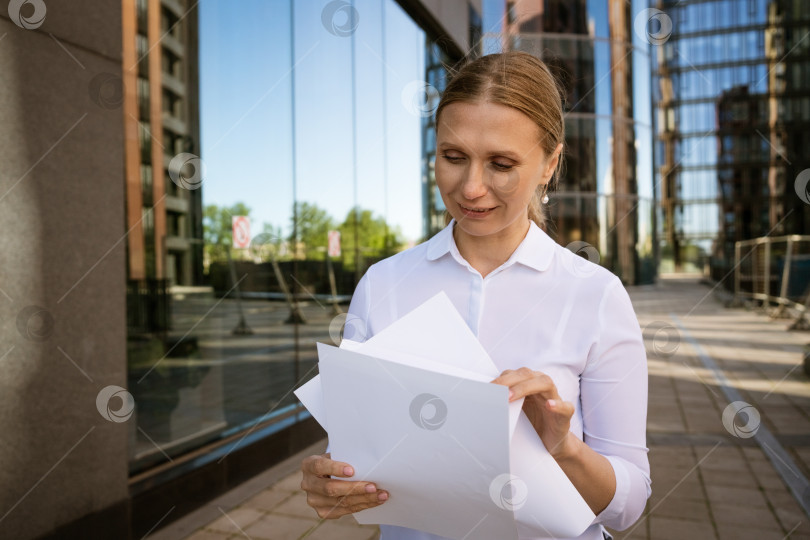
(552, 403)
(371, 488)
(348, 471)
(382, 496)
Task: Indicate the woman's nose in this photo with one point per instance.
(474, 185)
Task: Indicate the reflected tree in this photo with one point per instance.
(376, 238)
(218, 229)
(313, 226)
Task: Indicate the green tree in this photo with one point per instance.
(376, 237)
(218, 229)
(313, 228)
(274, 237)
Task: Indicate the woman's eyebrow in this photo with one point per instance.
(505, 153)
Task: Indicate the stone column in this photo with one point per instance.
(62, 267)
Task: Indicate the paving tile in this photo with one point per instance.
(331, 531)
(690, 488)
(209, 535)
(724, 459)
(280, 527)
(235, 519)
(688, 509)
(787, 509)
(745, 516)
(290, 483)
(662, 528)
(735, 495)
(797, 528)
(767, 477)
(267, 500)
(296, 505)
(733, 532)
(739, 478)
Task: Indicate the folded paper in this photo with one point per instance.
(412, 409)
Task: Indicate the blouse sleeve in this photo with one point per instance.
(613, 396)
(356, 327)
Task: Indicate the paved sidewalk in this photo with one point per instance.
(709, 481)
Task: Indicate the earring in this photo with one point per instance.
(545, 198)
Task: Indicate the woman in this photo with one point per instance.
(561, 329)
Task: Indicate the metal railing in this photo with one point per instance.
(774, 274)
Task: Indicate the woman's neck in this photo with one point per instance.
(486, 253)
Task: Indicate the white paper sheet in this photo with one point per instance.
(532, 489)
(436, 442)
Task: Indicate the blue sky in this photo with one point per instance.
(246, 77)
(246, 72)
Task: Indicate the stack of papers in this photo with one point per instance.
(413, 410)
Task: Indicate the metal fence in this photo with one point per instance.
(773, 273)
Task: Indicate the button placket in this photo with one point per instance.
(476, 299)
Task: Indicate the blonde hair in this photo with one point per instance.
(524, 82)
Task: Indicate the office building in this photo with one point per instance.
(161, 105)
(149, 362)
(605, 197)
(733, 113)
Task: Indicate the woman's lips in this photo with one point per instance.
(469, 212)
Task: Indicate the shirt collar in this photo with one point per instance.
(535, 251)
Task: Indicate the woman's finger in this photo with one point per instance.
(332, 487)
(539, 384)
(324, 466)
(331, 507)
(562, 411)
(509, 377)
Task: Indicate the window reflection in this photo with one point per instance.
(738, 81)
(318, 180)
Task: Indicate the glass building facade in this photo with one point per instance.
(732, 102)
(605, 196)
(308, 155)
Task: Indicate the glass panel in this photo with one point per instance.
(219, 331)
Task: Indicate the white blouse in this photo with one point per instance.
(550, 310)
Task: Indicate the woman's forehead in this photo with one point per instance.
(487, 125)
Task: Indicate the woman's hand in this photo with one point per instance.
(545, 409)
(333, 498)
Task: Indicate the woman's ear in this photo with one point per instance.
(551, 164)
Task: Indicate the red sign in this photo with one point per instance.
(241, 232)
(334, 243)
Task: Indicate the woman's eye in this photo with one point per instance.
(501, 166)
(452, 159)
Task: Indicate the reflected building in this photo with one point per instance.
(732, 121)
(605, 195)
(330, 133)
(161, 120)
